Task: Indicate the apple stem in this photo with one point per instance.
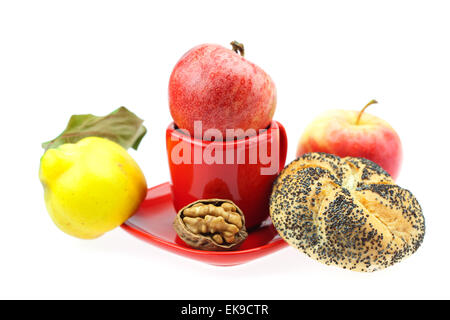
(373, 101)
(237, 47)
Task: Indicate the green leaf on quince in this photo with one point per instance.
(121, 126)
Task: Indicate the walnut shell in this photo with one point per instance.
(204, 241)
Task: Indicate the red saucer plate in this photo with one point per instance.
(153, 223)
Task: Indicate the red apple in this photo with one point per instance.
(222, 89)
(357, 134)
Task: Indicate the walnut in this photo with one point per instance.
(212, 224)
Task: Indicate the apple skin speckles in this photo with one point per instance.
(336, 132)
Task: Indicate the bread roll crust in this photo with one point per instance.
(346, 212)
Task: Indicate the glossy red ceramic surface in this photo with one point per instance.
(153, 223)
(244, 172)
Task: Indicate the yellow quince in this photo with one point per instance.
(91, 186)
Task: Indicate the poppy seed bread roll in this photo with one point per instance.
(346, 212)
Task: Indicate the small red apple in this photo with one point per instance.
(222, 89)
(356, 134)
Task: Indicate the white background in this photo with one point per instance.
(59, 58)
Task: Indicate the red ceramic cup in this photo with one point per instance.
(241, 170)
